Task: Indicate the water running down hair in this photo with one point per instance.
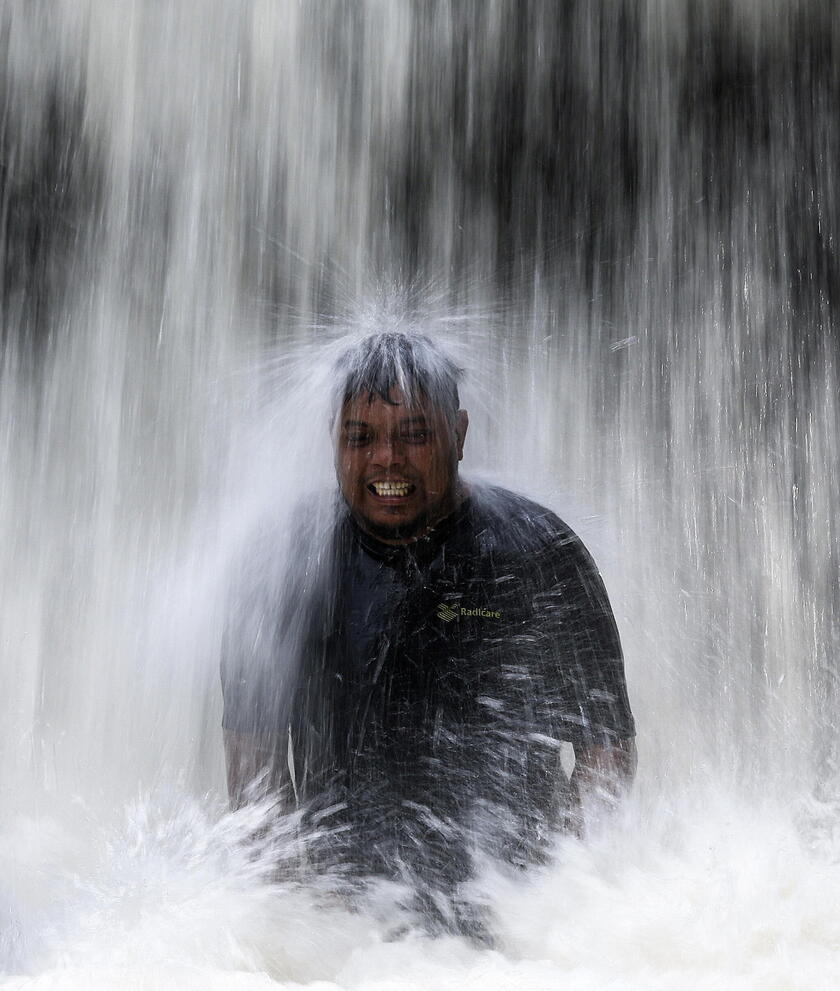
(414, 364)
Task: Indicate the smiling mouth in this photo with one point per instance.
(391, 490)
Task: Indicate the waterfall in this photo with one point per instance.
(624, 216)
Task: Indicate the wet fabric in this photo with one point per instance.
(432, 685)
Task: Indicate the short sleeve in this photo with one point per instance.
(582, 661)
(261, 622)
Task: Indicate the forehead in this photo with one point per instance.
(369, 406)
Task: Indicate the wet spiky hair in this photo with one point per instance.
(412, 363)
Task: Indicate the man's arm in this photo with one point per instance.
(602, 774)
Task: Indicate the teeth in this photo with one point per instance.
(391, 488)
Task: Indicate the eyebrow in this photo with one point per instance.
(415, 420)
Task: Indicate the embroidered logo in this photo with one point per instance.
(447, 613)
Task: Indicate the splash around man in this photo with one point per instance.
(413, 686)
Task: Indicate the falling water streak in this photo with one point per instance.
(623, 215)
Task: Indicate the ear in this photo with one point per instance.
(462, 421)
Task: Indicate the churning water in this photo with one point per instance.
(625, 216)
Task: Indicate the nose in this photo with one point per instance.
(388, 451)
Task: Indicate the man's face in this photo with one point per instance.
(397, 463)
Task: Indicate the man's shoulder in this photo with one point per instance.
(297, 539)
(507, 521)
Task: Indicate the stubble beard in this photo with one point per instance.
(402, 533)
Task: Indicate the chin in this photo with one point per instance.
(395, 529)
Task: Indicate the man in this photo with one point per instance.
(412, 684)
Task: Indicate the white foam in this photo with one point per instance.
(713, 893)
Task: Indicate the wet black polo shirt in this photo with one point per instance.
(433, 683)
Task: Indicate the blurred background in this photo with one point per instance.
(623, 216)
